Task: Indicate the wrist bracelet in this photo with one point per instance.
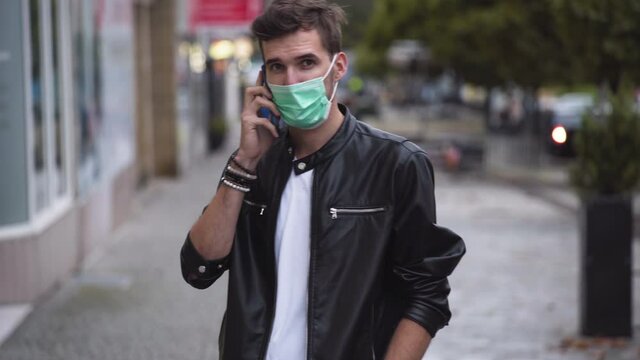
(237, 179)
(232, 159)
(235, 186)
(241, 173)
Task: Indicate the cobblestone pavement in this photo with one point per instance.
(515, 294)
(131, 302)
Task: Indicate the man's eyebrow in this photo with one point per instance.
(307, 56)
(272, 60)
(297, 58)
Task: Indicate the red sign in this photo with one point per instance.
(215, 13)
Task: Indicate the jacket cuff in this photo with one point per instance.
(430, 319)
(196, 270)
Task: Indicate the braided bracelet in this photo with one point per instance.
(237, 179)
(232, 159)
(241, 173)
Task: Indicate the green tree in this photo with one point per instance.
(603, 38)
(358, 12)
(608, 149)
(488, 42)
(531, 43)
(390, 20)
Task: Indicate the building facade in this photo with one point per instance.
(97, 97)
(87, 114)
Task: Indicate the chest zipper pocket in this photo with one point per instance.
(260, 207)
(335, 211)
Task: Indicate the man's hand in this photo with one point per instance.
(257, 133)
(213, 233)
(409, 342)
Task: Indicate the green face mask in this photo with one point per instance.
(304, 105)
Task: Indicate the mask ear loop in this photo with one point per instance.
(335, 86)
(333, 94)
(333, 62)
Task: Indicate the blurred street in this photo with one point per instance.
(515, 294)
(117, 116)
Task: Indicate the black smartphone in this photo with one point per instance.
(264, 112)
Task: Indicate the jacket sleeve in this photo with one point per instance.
(423, 253)
(196, 270)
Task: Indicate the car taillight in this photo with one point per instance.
(559, 135)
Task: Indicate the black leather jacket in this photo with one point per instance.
(376, 253)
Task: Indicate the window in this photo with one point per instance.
(60, 158)
(49, 122)
(86, 85)
(37, 103)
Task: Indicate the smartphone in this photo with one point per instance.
(264, 112)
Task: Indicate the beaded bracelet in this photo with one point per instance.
(237, 179)
(235, 186)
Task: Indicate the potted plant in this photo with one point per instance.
(606, 173)
(217, 132)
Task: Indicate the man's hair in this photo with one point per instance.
(284, 17)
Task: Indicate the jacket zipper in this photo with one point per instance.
(312, 261)
(354, 211)
(262, 207)
(371, 327)
(272, 222)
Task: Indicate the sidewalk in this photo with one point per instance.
(514, 295)
(519, 161)
(551, 184)
(130, 301)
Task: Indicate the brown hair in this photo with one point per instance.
(284, 17)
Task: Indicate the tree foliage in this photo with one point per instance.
(603, 37)
(608, 149)
(532, 43)
(390, 20)
(358, 12)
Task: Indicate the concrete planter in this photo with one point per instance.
(606, 227)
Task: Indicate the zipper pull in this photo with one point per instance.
(334, 213)
(261, 211)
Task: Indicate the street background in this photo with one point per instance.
(117, 116)
(515, 293)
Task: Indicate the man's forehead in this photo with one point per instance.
(294, 45)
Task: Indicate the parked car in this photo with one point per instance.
(565, 120)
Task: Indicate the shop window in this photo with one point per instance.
(37, 106)
(86, 85)
(49, 123)
(60, 157)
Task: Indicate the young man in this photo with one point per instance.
(328, 230)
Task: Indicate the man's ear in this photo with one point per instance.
(341, 65)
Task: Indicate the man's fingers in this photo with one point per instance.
(259, 79)
(267, 125)
(254, 91)
(262, 102)
(257, 91)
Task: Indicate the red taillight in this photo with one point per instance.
(559, 135)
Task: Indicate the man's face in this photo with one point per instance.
(299, 57)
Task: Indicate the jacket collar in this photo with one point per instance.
(328, 150)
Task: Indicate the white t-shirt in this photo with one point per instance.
(293, 235)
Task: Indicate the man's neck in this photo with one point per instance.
(306, 142)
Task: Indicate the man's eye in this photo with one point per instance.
(275, 67)
(307, 63)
